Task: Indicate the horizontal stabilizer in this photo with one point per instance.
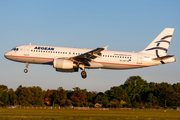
(163, 57)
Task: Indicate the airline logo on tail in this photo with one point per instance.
(160, 48)
(158, 43)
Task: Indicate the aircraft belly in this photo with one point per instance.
(113, 66)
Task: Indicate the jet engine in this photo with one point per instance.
(63, 65)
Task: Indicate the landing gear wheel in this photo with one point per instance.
(83, 74)
(25, 70)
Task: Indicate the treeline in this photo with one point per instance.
(135, 92)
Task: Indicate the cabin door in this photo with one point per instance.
(26, 50)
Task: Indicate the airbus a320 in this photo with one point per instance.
(66, 59)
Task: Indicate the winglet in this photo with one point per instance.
(105, 48)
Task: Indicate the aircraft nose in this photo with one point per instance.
(6, 54)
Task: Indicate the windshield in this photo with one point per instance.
(15, 49)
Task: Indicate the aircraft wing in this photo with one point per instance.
(87, 57)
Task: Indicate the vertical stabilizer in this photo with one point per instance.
(160, 44)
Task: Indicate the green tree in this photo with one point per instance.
(53, 97)
(4, 97)
(136, 88)
(105, 101)
(78, 97)
(23, 96)
(176, 96)
(12, 97)
(152, 99)
(99, 97)
(61, 98)
(117, 93)
(36, 95)
(165, 92)
(114, 103)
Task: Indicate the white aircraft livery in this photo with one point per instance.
(66, 59)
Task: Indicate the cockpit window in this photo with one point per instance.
(15, 49)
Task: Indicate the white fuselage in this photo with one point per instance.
(38, 54)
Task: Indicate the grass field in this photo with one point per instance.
(70, 114)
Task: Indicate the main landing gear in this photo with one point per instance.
(26, 70)
(83, 74)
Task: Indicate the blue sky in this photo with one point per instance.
(124, 25)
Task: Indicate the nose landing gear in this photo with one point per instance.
(25, 70)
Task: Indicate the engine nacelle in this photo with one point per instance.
(63, 64)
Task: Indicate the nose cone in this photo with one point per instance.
(7, 54)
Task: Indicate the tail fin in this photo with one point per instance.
(160, 44)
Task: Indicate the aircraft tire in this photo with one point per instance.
(25, 70)
(83, 74)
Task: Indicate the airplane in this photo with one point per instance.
(66, 59)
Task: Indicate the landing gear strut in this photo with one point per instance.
(83, 74)
(25, 70)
